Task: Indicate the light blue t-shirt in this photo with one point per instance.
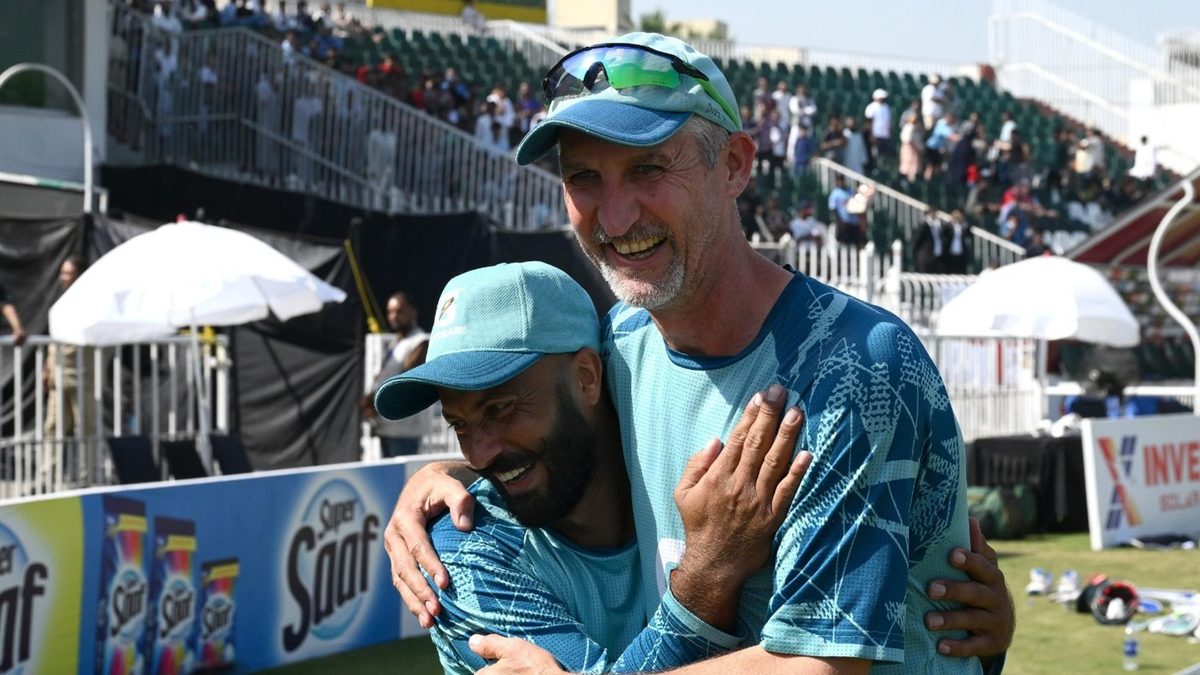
(582, 605)
(880, 507)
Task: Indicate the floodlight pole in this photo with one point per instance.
(87, 125)
(1189, 194)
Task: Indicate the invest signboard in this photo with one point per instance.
(237, 573)
(1143, 477)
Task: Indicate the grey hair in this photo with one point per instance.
(711, 138)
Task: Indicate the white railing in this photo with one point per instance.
(287, 122)
(992, 382)
(1087, 71)
(859, 272)
(64, 407)
(918, 298)
(438, 438)
(908, 212)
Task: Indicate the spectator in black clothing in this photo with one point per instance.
(929, 249)
(9, 312)
(958, 246)
(1037, 245)
(834, 141)
(962, 155)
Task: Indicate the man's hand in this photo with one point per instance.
(512, 655)
(732, 503)
(19, 335)
(988, 617)
(428, 493)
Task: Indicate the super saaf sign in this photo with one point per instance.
(1143, 477)
(233, 574)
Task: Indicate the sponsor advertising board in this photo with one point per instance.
(237, 573)
(1143, 477)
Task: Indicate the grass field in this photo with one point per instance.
(1049, 638)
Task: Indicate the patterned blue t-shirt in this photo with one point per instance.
(583, 605)
(880, 507)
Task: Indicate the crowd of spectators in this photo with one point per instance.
(495, 116)
(994, 179)
(991, 173)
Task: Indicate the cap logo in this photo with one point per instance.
(447, 312)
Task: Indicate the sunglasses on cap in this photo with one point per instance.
(617, 65)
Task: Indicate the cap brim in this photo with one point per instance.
(612, 121)
(414, 390)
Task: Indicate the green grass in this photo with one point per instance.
(1049, 638)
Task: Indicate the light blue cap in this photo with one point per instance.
(491, 324)
(637, 116)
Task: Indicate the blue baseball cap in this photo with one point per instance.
(639, 116)
(491, 324)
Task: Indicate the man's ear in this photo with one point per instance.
(587, 375)
(737, 162)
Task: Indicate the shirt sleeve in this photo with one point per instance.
(843, 552)
(490, 593)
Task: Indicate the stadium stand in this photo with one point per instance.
(448, 71)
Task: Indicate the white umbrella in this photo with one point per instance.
(1047, 297)
(184, 275)
(180, 275)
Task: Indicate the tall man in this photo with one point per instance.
(399, 437)
(10, 314)
(653, 157)
(514, 360)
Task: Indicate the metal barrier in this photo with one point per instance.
(231, 103)
(1085, 70)
(859, 272)
(908, 212)
(438, 438)
(992, 382)
(918, 298)
(64, 401)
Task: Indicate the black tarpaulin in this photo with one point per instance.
(35, 238)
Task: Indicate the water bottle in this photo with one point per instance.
(1131, 650)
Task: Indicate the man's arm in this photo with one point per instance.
(14, 320)
(517, 656)
(492, 590)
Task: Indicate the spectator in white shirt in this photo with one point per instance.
(1008, 124)
(472, 17)
(809, 232)
(282, 21)
(165, 18)
(932, 100)
(880, 114)
(783, 99)
(483, 123)
(1145, 161)
(506, 113)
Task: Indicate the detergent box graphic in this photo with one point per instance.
(173, 598)
(218, 610)
(124, 591)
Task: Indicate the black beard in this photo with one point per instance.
(569, 455)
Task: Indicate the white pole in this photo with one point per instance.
(1189, 195)
(87, 125)
(202, 444)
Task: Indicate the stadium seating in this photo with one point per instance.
(182, 460)
(133, 459)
